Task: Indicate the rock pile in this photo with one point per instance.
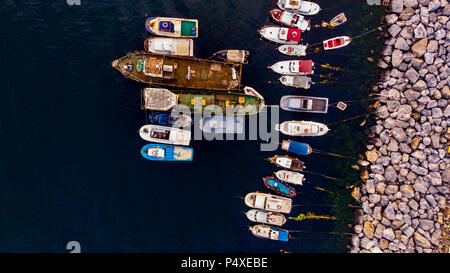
(406, 173)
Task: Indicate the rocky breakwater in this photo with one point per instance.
(406, 171)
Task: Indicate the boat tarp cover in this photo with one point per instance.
(298, 147)
(259, 201)
(282, 234)
(301, 80)
(273, 203)
(294, 34)
(305, 66)
(188, 28)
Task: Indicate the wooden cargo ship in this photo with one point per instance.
(227, 103)
(179, 71)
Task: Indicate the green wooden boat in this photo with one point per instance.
(220, 103)
(180, 71)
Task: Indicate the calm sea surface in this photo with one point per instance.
(70, 167)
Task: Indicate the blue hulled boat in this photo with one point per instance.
(296, 147)
(164, 152)
(279, 187)
(168, 119)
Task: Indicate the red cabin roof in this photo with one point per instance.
(305, 66)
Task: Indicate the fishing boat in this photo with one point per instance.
(336, 42)
(338, 20)
(293, 67)
(287, 162)
(279, 187)
(169, 119)
(269, 232)
(233, 55)
(300, 6)
(222, 124)
(304, 104)
(296, 147)
(219, 103)
(290, 177)
(170, 46)
(281, 35)
(179, 71)
(302, 128)
(293, 50)
(296, 81)
(172, 27)
(266, 201)
(165, 135)
(290, 19)
(266, 217)
(163, 152)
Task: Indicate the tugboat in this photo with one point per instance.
(304, 104)
(290, 177)
(170, 46)
(180, 71)
(265, 201)
(163, 152)
(268, 232)
(287, 162)
(300, 6)
(172, 27)
(290, 19)
(225, 103)
(302, 128)
(279, 187)
(266, 217)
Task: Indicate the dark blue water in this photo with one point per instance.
(70, 167)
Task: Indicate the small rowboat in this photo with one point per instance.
(293, 50)
(293, 67)
(163, 152)
(302, 128)
(170, 46)
(172, 27)
(296, 81)
(233, 55)
(296, 147)
(266, 217)
(290, 19)
(281, 35)
(268, 232)
(336, 42)
(165, 135)
(304, 104)
(266, 201)
(290, 177)
(300, 6)
(287, 162)
(338, 20)
(279, 187)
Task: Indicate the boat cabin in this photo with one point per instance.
(156, 152)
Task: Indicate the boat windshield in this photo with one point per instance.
(160, 134)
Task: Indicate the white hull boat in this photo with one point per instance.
(281, 35)
(302, 128)
(300, 6)
(265, 201)
(170, 46)
(297, 81)
(293, 50)
(290, 177)
(165, 135)
(290, 19)
(293, 67)
(265, 217)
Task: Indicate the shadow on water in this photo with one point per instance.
(71, 168)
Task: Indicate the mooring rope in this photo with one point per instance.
(332, 154)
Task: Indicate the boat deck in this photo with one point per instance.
(177, 71)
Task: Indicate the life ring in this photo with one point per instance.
(165, 24)
(291, 193)
(278, 206)
(283, 31)
(306, 130)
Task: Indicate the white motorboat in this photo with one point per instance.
(165, 135)
(170, 46)
(293, 50)
(266, 217)
(300, 6)
(297, 81)
(302, 128)
(265, 201)
(290, 177)
(293, 67)
(290, 19)
(281, 35)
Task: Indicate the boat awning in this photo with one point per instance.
(305, 66)
(294, 34)
(298, 147)
(259, 201)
